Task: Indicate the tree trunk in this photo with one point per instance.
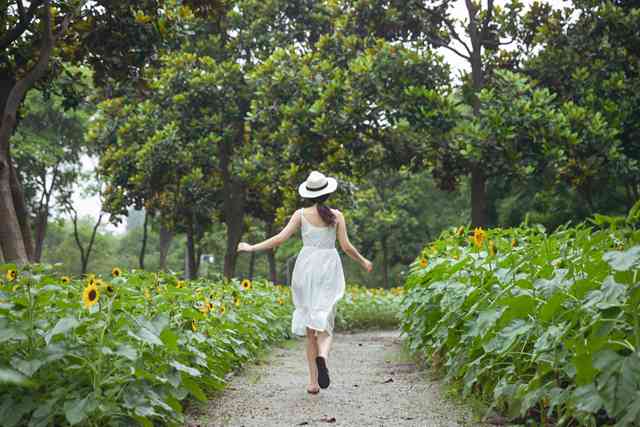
(271, 256)
(15, 236)
(252, 265)
(234, 218)
(198, 257)
(41, 232)
(22, 212)
(385, 262)
(85, 261)
(478, 197)
(143, 249)
(190, 261)
(166, 236)
(478, 179)
(10, 233)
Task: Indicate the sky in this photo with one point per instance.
(91, 205)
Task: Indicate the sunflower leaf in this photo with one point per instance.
(193, 388)
(9, 376)
(187, 369)
(77, 410)
(64, 325)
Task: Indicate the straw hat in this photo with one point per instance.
(317, 185)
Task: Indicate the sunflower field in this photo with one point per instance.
(128, 349)
(545, 327)
(368, 308)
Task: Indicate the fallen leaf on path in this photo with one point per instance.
(389, 380)
(304, 423)
(328, 420)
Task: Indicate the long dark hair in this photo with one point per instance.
(326, 215)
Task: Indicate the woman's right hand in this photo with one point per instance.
(244, 247)
(367, 265)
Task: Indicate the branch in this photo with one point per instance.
(93, 235)
(453, 33)
(487, 20)
(473, 29)
(440, 43)
(20, 88)
(74, 219)
(456, 36)
(21, 9)
(22, 25)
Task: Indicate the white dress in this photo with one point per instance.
(317, 282)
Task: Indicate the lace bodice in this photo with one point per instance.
(317, 237)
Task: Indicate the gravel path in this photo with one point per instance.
(373, 383)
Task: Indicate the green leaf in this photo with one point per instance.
(170, 339)
(27, 367)
(144, 422)
(11, 377)
(624, 260)
(127, 351)
(75, 411)
(587, 399)
(183, 368)
(193, 388)
(65, 324)
(485, 321)
(550, 308)
(632, 412)
(507, 336)
(146, 335)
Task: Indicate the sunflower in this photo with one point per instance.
(66, 280)
(11, 275)
(236, 301)
(206, 306)
(492, 248)
(222, 309)
(92, 281)
(116, 272)
(110, 289)
(90, 295)
(194, 325)
(478, 236)
(424, 262)
(246, 284)
(180, 284)
(514, 243)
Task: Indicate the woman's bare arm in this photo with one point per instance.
(346, 245)
(278, 239)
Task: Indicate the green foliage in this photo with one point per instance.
(150, 341)
(543, 326)
(368, 308)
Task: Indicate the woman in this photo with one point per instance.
(317, 282)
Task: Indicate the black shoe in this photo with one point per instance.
(323, 372)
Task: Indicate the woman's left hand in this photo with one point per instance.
(244, 247)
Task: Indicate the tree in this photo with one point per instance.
(15, 234)
(117, 41)
(589, 59)
(48, 148)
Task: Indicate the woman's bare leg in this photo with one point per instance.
(324, 344)
(312, 352)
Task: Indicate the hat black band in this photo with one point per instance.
(326, 184)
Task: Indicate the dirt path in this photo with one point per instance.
(373, 383)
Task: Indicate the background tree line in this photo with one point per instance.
(206, 115)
